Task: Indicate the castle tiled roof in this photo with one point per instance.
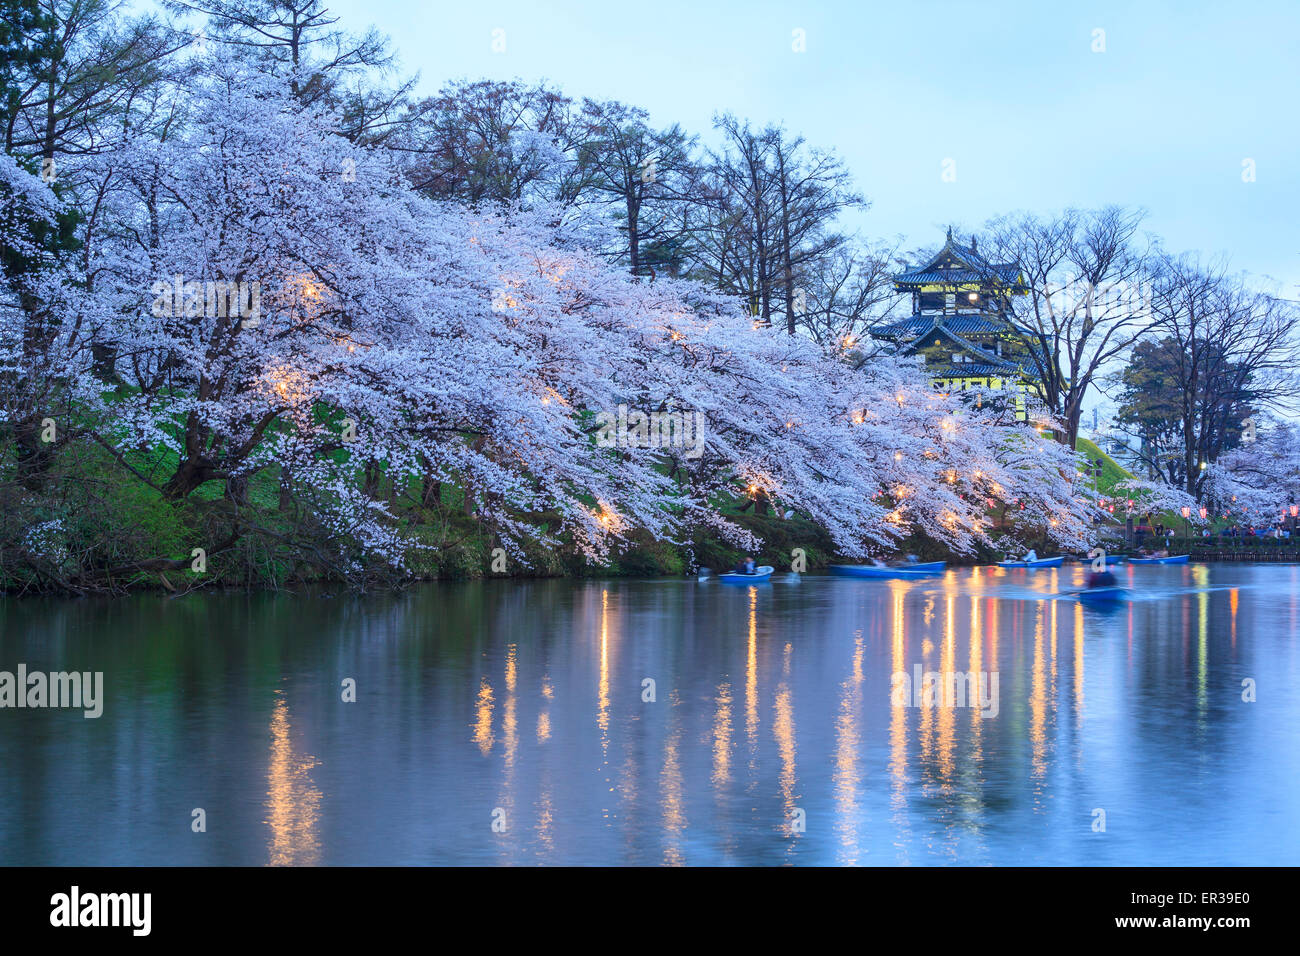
(967, 333)
(958, 264)
(974, 370)
(915, 325)
(922, 276)
(921, 329)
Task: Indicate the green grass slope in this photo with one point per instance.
(1111, 472)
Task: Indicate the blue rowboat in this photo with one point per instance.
(759, 576)
(1172, 559)
(904, 573)
(1040, 563)
(1102, 595)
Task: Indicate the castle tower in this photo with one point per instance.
(962, 322)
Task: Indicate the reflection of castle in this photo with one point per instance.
(961, 321)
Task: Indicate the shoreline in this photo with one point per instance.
(334, 588)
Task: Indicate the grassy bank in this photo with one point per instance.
(93, 524)
(82, 519)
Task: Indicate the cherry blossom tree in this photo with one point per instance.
(1259, 479)
(280, 305)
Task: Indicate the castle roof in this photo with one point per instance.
(921, 323)
(956, 264)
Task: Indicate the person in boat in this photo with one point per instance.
(913, 559)
(1101, 579)
(1031, 556)
(746, 566)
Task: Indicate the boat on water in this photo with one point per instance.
(1055, 562)
(901, 572)
(924, 566)
(1101, 595)
(1172, 559)
(758, 576)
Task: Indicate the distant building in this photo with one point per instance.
(962, 323)
(1124, 449)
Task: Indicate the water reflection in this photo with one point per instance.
(773, 705)
(847, 746)
(292, 800)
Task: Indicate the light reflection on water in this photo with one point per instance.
(772, 737)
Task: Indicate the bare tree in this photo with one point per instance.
(1232, 352)
(646, 174)
(324, 62)
(1086, 273)
(845, 293)
(77, 96)
(812, 188)
(489, 141)
(770, 209)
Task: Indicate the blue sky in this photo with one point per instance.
(1012, 92)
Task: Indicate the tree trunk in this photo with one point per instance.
(286, 488)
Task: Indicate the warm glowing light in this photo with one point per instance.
(607, 518)
(292, 798)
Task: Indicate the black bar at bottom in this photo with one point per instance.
(338, 905)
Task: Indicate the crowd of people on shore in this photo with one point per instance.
(1161, 532)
